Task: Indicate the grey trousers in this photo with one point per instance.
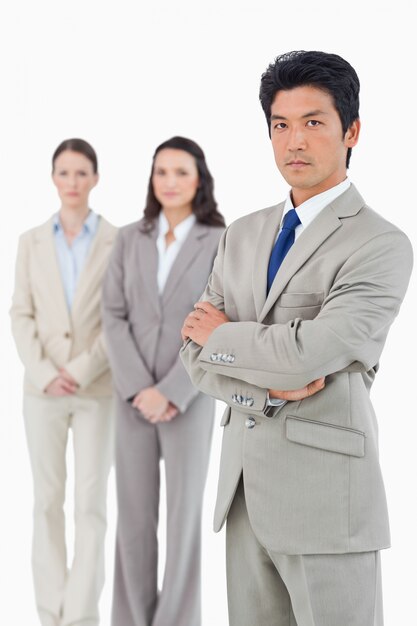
(269, 589)
(184, 444)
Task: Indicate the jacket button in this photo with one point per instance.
(67, 335)
(250, 422)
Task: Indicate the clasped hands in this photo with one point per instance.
(200, 323)
(154, 406)
(62, 385)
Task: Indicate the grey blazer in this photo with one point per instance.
(311, 471)
(142, 327)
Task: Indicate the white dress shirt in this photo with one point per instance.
(307, 212)
(309, 209)
(167, 255)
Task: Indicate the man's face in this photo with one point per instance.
(308, 141)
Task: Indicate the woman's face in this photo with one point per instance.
(175, 179)
(74, 178)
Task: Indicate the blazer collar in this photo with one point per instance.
(327, 222)
(147, 254)
(188, 251)
(46, 250)
(103, 238)
(44, 239)
(148, 262)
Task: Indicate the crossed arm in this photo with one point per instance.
(348, 333)
(200, 323)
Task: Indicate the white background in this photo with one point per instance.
(128, 75)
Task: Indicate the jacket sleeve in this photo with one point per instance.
(39, 369)
(252, 398)
(351, 327)
(129, 371)
(90, 364)
(177, 386)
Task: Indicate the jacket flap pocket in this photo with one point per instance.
(325, 436)
(298, 300)
(226, 416)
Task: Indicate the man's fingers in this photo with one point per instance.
(197, 314)
(316, 385)
(300, 394)
(204, 306)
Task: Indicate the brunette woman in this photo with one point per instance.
(56, 323)
(158, 270)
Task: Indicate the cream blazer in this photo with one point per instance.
(49, 336)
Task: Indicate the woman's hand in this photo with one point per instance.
(154, 406)
(169, 414)
(60, 387)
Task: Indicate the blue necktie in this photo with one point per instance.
(282, 245)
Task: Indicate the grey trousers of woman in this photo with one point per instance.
(184, 445)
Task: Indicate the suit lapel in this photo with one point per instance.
(188, 251)
(263, 249)
(147, 254)
(49, 266)
(327, 221)
(104, 237)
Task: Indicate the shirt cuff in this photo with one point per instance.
(275, 401)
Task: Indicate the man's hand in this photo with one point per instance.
(201, 322)
(60, 386)
(299, 394)
(154, 406)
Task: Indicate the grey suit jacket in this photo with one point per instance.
(143, 328)
(311, 471)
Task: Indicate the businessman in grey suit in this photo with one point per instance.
(300, 291)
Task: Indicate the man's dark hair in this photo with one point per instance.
(322, 70)
(77, 145)
(204, 205)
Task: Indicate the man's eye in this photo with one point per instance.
(280, 125)
(313, 123)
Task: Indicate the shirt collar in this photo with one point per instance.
(90, 223)
(309, 209)
(181, 230)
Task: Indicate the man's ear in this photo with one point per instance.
(351, 137)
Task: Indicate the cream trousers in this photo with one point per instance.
(69, 595)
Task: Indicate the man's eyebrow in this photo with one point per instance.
(309, 114)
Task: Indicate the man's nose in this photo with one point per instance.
(297, 139)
